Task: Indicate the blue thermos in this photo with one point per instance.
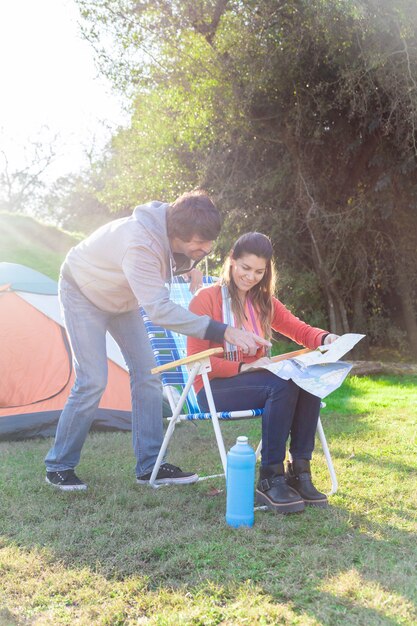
(240, 484)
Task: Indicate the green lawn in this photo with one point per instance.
(26, 241)
(126, 554)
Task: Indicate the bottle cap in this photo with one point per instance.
(242, 439)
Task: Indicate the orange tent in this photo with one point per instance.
(36, 372)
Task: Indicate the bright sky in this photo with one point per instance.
(48, 79)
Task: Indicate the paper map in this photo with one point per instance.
(319, 371)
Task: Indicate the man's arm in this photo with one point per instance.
(142, 268)
(195, 278)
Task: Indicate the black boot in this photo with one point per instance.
(273, 491)
(298, 476)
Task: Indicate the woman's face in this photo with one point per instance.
(248, 271)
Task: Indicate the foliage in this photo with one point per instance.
(299, 116)
(302, 295)
(73, 203)
(121, 553)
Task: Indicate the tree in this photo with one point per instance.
(22, 187)
(300, 115)
(72, 202)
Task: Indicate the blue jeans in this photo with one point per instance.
(86, 326)
(289, 411)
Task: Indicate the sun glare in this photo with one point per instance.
(49, 81)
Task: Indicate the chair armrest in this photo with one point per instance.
(290, 355)
(188, 359)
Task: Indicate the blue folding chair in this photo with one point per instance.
(178, 372)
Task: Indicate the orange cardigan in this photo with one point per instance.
(208, 301)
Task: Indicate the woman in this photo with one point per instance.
(244, 298)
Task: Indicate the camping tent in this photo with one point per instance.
(36, 372)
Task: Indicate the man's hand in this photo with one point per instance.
(195, 278)
(246, 341)
(247, 367)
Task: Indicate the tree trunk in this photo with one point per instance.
(361, 351)
(409, 313)
(405, 269)
(336, 308)
(338, 322)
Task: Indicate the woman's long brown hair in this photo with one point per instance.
(261, 293)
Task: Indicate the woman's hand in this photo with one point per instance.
(247, 367)
(330, 338)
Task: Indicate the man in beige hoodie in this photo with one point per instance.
(104, 279)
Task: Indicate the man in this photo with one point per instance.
(103, 279)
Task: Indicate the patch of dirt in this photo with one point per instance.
(368, 368)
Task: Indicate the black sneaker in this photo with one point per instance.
(66, 480)
(169, 475)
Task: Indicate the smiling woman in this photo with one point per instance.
(51, 84)
(248, 272)
(244, 298)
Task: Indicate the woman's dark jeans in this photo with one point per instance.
(288, 410)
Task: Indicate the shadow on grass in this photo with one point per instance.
(375, 463)
(129, 548)
(342, 573)
(343, 563)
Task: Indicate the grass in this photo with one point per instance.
(123, 554)
(26, 241)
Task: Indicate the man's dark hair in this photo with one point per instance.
(193, 215)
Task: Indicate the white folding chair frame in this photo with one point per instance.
(199, 364)
(196, 364)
